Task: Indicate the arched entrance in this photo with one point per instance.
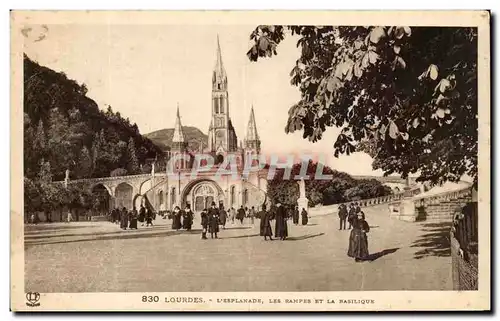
(200, 194)
(203, 196)
(123, 196)
(101, 199)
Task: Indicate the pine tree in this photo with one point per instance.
(133, 163)
(85, 163)
(39, 142)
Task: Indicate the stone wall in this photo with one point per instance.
(464, 270)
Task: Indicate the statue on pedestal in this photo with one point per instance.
(302, 202)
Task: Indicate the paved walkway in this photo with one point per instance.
(98, 256)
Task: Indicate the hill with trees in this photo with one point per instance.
(163, 138)
(65, 129)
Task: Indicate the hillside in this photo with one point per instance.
(163, 137)
(65, 129)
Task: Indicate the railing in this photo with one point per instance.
(464, 248)
(465, 228)
(109, 178)
(367, 202)
(446, 196)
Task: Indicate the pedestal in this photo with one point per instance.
(303, 203)
(407, 210)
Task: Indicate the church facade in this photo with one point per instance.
(181, 187)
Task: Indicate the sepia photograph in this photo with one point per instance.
(252, 161)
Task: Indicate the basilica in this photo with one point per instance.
(167, 191)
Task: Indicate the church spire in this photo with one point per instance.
(219, 78)
(252, 140)
(178, 140)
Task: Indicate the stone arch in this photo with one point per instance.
(94, 185)
(138, 201)
(124, 195)
(143, 187)
(103, 198)
(188, 195)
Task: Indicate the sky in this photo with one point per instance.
(144, 71)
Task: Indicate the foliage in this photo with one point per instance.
(67, 129)
(319, 191)
(64, 129)
(366, 188)
(408, 94)
(133, 163)
(118, 172)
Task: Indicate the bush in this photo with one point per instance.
(118, 172)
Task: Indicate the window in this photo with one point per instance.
(221, 105)
(216, 105)
(245, 197)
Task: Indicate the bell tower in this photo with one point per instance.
(221, 134)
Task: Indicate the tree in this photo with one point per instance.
(319, 191)
(409, 94)
(60, 121)
(118, 172)
(84, 165)
(366, 188)
(133, 163)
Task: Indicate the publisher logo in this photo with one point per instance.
(32, 298)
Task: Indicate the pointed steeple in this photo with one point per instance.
(219, 78)
(252, 128)
(252, 140)
(178, 140)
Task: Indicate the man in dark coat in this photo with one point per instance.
(123, 218)
(222, 216)
(342, 216)
(241, 214)
(351, 215)
(265, 224)
(204, 224)
(149, 217)
(295, 215)
(213, 220)
(281, 229)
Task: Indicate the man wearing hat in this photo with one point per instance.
(213, 220)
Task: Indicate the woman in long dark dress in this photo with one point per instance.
(142, 215)
(213, 221)
(281, 229)
(222, 217)
(133, 219)
(265, 224)
(187, 218)
(358, 241)
(176, 218)
(305, 219)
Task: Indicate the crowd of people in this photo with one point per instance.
(129, 218)
(213, 218)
